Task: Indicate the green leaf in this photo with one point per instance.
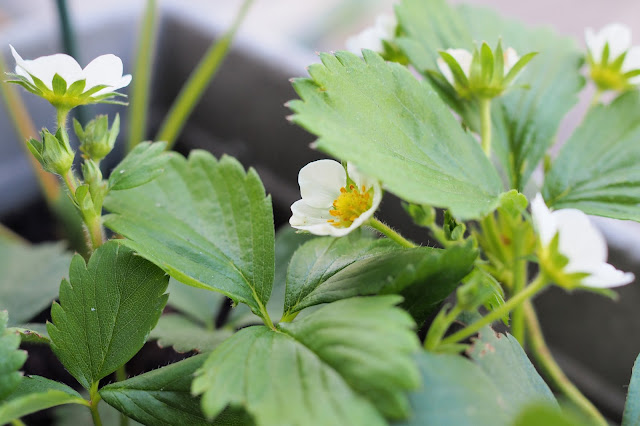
(106, 311)
(74, 415)
(397, 129)
(29, 334)
(198, 304)
(206, 222)
(143, 164)
(37, 393)
(185, 335)
(11, 358)
(490, 390)
(339, 365)
(597, 169)
(502, 358)
(30, 277)
(159, 397)
(329, 269)
(631, 416)
(542, 414)
(525, 121)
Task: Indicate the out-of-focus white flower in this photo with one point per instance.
(97, 82)
(463, 57)
(371, 38)
(580, 242)
(510, 59)
(333, 203)
(606, 71)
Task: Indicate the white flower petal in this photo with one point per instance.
(543, 220)
(510, 59)
(580, 240)
(313, 220)
(445, 70)
(463, 58)
(320, 182)
(595, 44)
(45, 67)
(105, 69)
(605, 276)
(371, 38)
(632, 60)
(619, 38)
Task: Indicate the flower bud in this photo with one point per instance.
(53, 152)
(96, 140)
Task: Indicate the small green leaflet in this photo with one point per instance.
(597, 169)
(143, 164)
(525, 120)
(185, 335)
(349, 362)
(11, 358)
(106, 311)
(37, 393)
(329, 269)
(205, 222)
(397, 129)
(631, 416)
(548, 415)
(159, 397)
(30, 277)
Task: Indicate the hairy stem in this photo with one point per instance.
(551, 370)
(485, 125)
(529, 291)
(519, 281)
(387, 231)
(121, 374)
(95, 399)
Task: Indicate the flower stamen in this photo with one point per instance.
(349, 205)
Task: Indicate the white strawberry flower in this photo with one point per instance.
(580, 242)
(334, 203)
(74, 86)
(606, 69)
(371, 38)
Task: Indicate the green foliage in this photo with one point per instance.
(143, 164)
(205, 222)
(32, 333)
(378, 116)
(106, 311)
(185, 335)
(159, 397)
(36, 393)
(11, 358)
(329, 269)
(30, 277)
(631, 416)
(543, 414)
(597, 171)
(353, 356)
(524, 120)
(488, 390)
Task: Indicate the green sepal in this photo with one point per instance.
(96, 139)
(59, 85)
(421, 214)
(459, 77)
(517, 68)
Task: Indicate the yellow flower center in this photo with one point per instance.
(349, 205)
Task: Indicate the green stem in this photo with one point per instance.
(96, 232)
(61, 116)
(519, 282)
(485, 125)
(198, 82)
(552, 371)
(71, 182)
(529, 291)
(596, 98)
(386, 230)
(434, 337)
(95, 399)
(17, 422)
(121, 374)
(142, 71)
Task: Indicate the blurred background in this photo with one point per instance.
(242, 114)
